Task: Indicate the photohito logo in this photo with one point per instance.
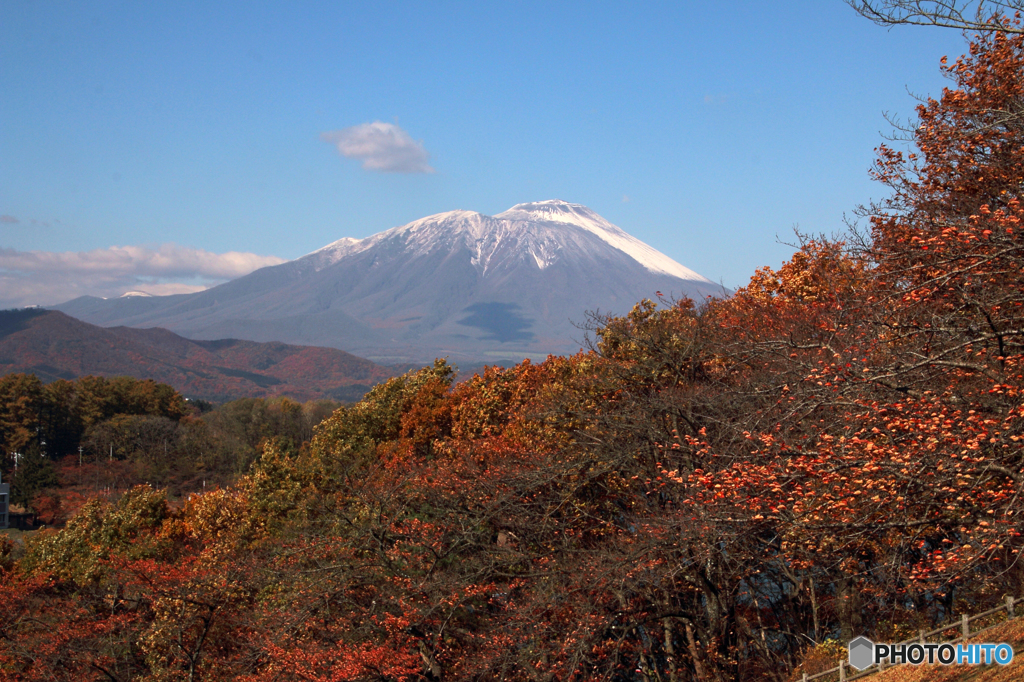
(864, 653)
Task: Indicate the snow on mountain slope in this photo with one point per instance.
(556, 211)
(458, 284)
(484, 235)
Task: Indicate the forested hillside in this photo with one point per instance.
(719, 490)
(68, 441)
(53, 346)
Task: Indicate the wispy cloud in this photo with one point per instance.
(169, 260)
(9, 219)
(46, 277)
(381, 147)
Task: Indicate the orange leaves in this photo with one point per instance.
(819, 272)
(946, 237)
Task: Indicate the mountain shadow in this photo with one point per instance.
(16, 320)
(500, 321)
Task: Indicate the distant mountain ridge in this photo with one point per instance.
(52, 346)
(458, 284)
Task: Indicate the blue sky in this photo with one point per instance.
(184, 131)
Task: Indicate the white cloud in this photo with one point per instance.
(381, 147)
(46, 277)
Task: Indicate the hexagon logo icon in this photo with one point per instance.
(862, 652)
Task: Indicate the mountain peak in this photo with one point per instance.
(554, 210)
(549, 205)
(483, 235)
(558, 211)
(457, 219)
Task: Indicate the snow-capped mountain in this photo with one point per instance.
(461, 284)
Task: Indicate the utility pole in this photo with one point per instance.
(111, 459)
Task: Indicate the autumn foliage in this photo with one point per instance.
(711, 492)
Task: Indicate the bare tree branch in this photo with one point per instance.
(969, 15)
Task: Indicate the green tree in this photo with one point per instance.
(20, 405)
(60, 423)
(34, 474)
